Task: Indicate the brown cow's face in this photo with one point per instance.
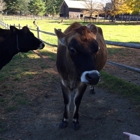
(81, 49)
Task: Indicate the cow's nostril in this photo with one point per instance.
(92, 78)
(89, 76)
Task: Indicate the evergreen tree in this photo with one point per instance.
(16, 6)
(53, 6)
(12, 6)
(37, 7)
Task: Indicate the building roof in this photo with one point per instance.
(75, 4)
(82, 4)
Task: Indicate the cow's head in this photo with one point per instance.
(25, 40)
(81, 47)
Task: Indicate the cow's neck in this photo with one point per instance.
(10, 48)
(17, 44)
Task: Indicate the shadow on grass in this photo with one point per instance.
(24, 62)
(134, 42)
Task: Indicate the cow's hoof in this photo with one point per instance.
(75, 125)
(92, 91)
(63, 124)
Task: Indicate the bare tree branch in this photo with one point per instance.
(93, 6)
(2, 5)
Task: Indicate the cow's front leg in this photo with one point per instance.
(77, 100)
(67, 101)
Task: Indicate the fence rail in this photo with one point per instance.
(129, 45)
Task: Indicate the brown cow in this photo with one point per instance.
(79, 50)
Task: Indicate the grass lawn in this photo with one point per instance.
(120, 33)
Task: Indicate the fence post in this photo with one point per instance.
(7, 26)
(38, 33)
(19, 26)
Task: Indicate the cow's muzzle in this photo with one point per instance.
(90, 77)
(41, 46)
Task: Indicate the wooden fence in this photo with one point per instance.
(129, 45)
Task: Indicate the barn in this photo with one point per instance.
(72, 9)
(79, 9)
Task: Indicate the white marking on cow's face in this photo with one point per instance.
(83, 76)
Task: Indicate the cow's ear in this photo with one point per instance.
(92, 28)
(100, 31)
(25, 29)
(60, 36)
(13, 29)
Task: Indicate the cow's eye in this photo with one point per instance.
(72, 51)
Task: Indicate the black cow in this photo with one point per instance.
(14, 40)
(81, 51)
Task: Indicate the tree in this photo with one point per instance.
(134, 5)
(2, 5)
(53, 6)
(37, 7)
(12, 6)
(16, 6)
(93, 7)
(119, 7)
(23, 6)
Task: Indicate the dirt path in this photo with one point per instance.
(103, 116)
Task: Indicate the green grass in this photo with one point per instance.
(20, 77)
(114, 32)
(121, 87)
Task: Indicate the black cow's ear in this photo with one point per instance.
(13, 29)
(25, 29)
